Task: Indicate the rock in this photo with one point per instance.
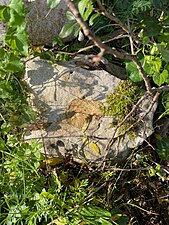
(43, 24)
(3, 26)
(69, 99)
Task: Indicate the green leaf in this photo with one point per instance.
(4, 13)
(165, 100)
(18, 6)
(151, 26)
(165, 54)
(67, 29)
(17, 40)
(13, 64)
(163, 148)
(70, 16)
(5, 90)
(146, 63)
(82, 6)
(156, 64)
(53, 3)
(92, 18)
(95, 211)
(160, 78)
(2, 53)
(88, 12)
(133, 71)
(15, 18)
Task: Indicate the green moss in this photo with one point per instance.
(120, 103)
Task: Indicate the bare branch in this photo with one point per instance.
(116, 19)
(104, 48)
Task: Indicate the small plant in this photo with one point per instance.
(120, 103)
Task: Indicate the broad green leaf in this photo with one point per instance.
(165, 54)
(160, 78)
(70, 16)
(156, 64)
(133, 71)
(154, 50)
(2, 53)
(18, 6)
(67, 29)
(4, 13)
(163, 148)
(53, 3)
(14, 66)
(13, 63)
(82, 6)
(146, 63)
(164, 36)
(15, 18)
(92, 18)
(88, 12)
(145, 40)
(5, 90)
(17, 41)
(165, 100)
(151, 26)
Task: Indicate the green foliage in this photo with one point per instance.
(53, 3)
(85, 8)
(30, 194)
(163, 148)
(16, 37)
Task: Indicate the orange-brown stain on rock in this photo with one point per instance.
(83, 111)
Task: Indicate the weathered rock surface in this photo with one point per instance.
(69, 99)
(43, 24)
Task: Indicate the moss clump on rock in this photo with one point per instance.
(120, 103)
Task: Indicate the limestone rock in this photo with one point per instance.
(69, 98)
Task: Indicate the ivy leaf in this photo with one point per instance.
(53, 3)
(67, 29)
(160, 78)
(133, 71)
